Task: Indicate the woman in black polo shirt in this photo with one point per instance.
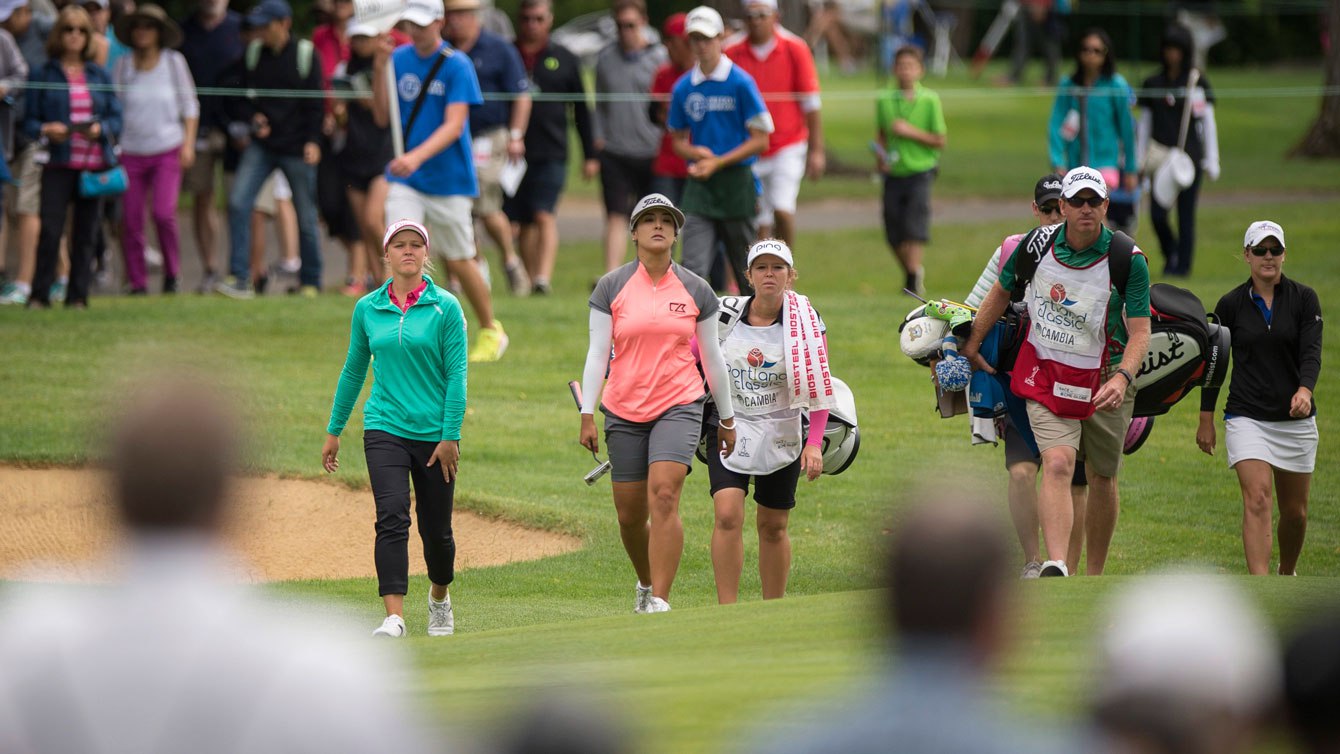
(1270, 424)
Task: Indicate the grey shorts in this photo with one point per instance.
(907, 207)
(634, 446)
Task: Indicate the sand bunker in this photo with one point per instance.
(59, 521)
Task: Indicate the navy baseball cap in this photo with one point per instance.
(267, 11)
(1048, 188)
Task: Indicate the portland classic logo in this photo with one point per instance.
(1058, 296)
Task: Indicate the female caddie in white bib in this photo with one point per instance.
(769, 432)
(1060, 363)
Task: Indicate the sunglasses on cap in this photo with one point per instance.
(1260, 251)
(1079, 201)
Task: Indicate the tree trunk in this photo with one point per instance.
(1323, 139)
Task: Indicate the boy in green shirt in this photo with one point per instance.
(912, 132)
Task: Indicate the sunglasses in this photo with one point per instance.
(1079, 201)
(627, 26)
(533, 19)
(1260, 251)
(757, 14)
(1050, 208)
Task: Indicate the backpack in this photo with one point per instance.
(305, 49)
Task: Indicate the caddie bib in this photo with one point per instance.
(1060, 363)
(767, 428)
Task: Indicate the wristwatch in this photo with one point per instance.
(516, 134)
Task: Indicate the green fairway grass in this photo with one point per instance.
(700, 677)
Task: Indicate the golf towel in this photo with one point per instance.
(811, 382)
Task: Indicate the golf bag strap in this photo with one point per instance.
(1041, 241)
(423, 90)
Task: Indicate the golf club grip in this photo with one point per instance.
(576, 388)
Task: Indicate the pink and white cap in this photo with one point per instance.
(400, 225)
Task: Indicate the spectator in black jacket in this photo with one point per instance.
(1270, 420)
(211, 41)
(553, 71)
(285, 132)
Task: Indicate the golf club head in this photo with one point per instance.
(596, 473)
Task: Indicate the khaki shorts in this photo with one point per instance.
(451, 230)
(24, 197)
(490, 150)
(199, 178)
(274, 190)
(1098, 440)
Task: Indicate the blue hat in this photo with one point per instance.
(267, 11)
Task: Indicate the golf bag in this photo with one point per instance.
(1186, 350)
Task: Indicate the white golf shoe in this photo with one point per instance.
(393, 628)
(1053, 568)
(658, 605)
(642, 599)
(441, 622)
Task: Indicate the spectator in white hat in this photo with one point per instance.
(1270, 418)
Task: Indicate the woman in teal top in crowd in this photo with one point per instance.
(413, 332)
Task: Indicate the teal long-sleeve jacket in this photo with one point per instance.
(1110, 126)
(418, 366)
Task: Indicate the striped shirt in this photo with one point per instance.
(84, 153)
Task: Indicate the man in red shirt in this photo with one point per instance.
(783, 67)
(669, 171)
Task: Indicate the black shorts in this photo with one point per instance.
(538, 192)
(623, 181)
(907, 207)
(776, 491)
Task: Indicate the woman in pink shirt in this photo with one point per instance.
(648, 310)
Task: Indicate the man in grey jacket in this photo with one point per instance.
(626, 138)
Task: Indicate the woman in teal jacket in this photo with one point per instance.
(413, 332)
(1091, 121)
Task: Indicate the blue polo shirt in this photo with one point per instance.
(499, 70)
(715, 109)
(450, 172)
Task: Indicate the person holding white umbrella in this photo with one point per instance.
(1179, 145)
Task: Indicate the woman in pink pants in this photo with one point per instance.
(158, 138)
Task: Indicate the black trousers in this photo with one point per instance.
(60, 190)
(1180, 247)
(392, 462)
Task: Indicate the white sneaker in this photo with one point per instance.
(441, 622)
(642, 600)
(1032, 570)
(1054, 568)
(393, 627)
(658, 605)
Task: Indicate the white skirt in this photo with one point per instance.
(1286, 445)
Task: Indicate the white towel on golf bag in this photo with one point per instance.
(811, 382)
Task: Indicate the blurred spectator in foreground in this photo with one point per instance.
(1312, 684)
(1187, 666)
(783, 68)
(669, 171)
(948, 607)
(553, 70)
(211, 42)
(626, 139)
(175, 654)
(497, 127)
(560, 723)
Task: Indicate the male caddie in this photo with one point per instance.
(1077, 365)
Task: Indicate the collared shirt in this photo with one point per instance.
(499, 70)
(718, 109)
(410, 298)
(782, 69)
(923, 111)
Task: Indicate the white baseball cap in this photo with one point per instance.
(656, 201)
(1080, 178)
(1260, 231)
(400, 225)
(423, 12)
(769, 4)
(705, 21)
(771, 246)
(357, 29)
